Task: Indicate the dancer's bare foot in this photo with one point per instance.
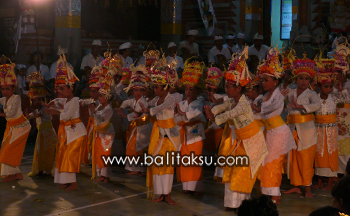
(327, 187)
(161, 198)
(308, 192)
(106, 180)
(101, 178)
(133, 173)
(198, 193)
(293, 190)
(72, 186)
(276, 199)
(169, 200)
(64, 185)
(335, 179)
(13, 177)
(186, 192)
(319, 184)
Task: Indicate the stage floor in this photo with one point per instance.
(127, 195)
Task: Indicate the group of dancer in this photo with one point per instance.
(275, 117)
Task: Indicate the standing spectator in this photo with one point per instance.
(125, 52)
(230, 42)
(172, 55)
(21, 79)
(217, 50)
(37, 66)
(258, 48)
(92, 59)
(240, 43)
(189, 47)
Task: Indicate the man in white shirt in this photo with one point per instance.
(239, 47)
(92, 59)
(125, 51)
(188, 47)
(62, 51)
(21, 79)
(230, 42)
(38, 67)
(218, 51)
(258, 48)
(172, 57)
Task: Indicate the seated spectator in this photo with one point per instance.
(347, 169)
(341, 195)
(325, 211)
(262, 206)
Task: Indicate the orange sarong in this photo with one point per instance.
(12, 153)
(239, 177)
(88, 142)
(69, 156)
(271, 173)
(190, 173)
(301, 164)
(327, 160)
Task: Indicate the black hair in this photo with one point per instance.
(188, 36)
(38, 53)
(34, 54)
(121, 52)
(341, 191)
(262, 206)
(73, 87)
(347, 169)
(325, 211)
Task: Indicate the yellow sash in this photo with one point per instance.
(248, 131)
(71, 122)
(102, 129)
(326, 119)
(298, 118)
(260, 122)
(183, 134)
(226, 149)
(273, 122)
(17, 121)
(166, 124)
(139, 122)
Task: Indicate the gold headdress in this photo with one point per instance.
(36, 86)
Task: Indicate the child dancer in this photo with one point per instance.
(242, 135)
(214, 132)
(103, 132)
(71, 132)
(165, 135)
(140, 129)
(341, 54)
(17, 127)
(326, 161)
(94, 86)
(302, 102)
(253, 94)
(46, 140)
(190, 119)
(279, 139)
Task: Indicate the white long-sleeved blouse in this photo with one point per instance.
(307, 130)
